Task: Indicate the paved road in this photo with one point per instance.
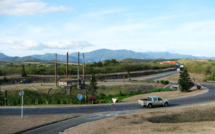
(161, 75)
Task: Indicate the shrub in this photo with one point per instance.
(120, 93)
(165, 82)
(101, 96)
(92, 99)
(199, 86)
(161, 90)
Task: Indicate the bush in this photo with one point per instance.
(165, 82)
(199, 86)
(92, 99)
(120, 93)
(101, 96)
(161, 90)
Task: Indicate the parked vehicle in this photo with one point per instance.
(153, 101)
(26, 81)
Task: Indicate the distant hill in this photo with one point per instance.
(2, 55)
(26, 58)
(102, 55)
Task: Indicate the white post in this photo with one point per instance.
(114, 110)
(22, 108)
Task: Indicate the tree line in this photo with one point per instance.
(108, 66)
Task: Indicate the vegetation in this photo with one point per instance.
(24, 74)
(93, 84)
(35, 98)
(165, 82)
(190, 115)
(58, 96)
(48, 68)
(184, 81)
(205, 67)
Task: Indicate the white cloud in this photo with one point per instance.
(24, 45)
(24, 7)
(68, 44)
(33, 45)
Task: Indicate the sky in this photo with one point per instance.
(29, 27)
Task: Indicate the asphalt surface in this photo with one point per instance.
(161, 75)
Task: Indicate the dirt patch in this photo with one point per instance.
(13, 124)
(167, 95)
(138, 124)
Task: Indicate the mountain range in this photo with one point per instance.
(102, 55)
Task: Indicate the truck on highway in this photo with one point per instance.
(153, 101)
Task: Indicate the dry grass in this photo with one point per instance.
(13, 124)
(41, 87)
(138, 124)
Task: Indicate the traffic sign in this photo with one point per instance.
(114, 100)
(21, 93)
(80, 96)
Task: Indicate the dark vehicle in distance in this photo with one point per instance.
(26, 81)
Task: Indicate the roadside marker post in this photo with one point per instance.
(114, 101)
(21, 94)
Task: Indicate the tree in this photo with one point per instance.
(184, 81)
(213, 76)
(23, 71)
(93, 84)
(128, 70)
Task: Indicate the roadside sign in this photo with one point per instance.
(114, 100)
(80, 96)
(21, 93)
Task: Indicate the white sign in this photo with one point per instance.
(114, 100)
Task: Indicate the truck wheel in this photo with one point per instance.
(166, 104)
(149, 105)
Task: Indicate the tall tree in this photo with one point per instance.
(184, 81)
(93, 84)
(23, 71)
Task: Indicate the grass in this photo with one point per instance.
(189, 115)
(14, 124)
(36, 93)
(138, 123)
(121, 96)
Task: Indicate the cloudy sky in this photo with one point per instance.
(30, 27)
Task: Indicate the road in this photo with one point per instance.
(161, 75)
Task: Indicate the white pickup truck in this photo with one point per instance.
(153, 101)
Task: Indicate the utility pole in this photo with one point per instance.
(56, 69)
(78, 72)
(83, 71)
(67, 65)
